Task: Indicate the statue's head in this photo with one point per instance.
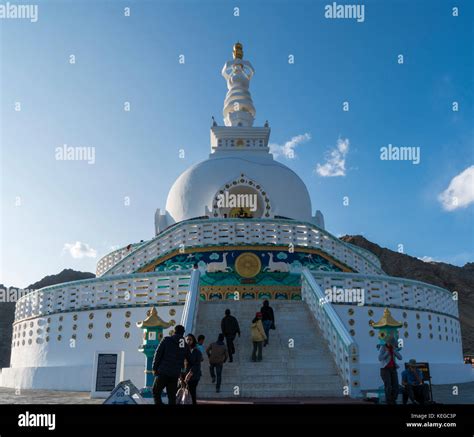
(238, 51)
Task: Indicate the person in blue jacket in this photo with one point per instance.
(413, 386)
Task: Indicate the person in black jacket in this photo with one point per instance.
(230, 328)
(268, 319)
(168, 363)
(193, 366)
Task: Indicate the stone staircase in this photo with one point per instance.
(304, 370)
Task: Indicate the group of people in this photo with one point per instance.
(413, 387)
(178, 358)
(262, 323)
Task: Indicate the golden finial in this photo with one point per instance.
(154, 320)
(387, 321)
(238, 51)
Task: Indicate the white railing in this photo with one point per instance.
(112, 258)
(381, 290)
(369, 255)
(218, 232)
(189, 316)
(140, 289)
(342, 346)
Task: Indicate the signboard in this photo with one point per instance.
(126, 393)
(425, 369)
(107, 372)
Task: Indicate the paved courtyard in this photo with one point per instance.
(442, 394)
(12, 396)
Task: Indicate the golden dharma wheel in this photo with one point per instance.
(248, 265)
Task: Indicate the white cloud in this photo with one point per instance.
(335, 164)
(79, 250)
(460, 192)
(288, 149)
(427, 259)
(456, 260)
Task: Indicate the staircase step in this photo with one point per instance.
(307, 369)
(272, 393)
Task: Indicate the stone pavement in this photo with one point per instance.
(442, 394)
(10, 396)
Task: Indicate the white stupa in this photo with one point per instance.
(240, 152)
(207, 256)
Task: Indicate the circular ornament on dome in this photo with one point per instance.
(248, 265)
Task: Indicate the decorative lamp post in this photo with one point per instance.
(388, 335)
(152, 327)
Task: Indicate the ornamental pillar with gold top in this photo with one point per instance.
(238, 105)
(152, 327)
(387, 327)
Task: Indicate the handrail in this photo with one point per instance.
(383, 290)
(120, 291)
(229, 221)
(189, 316)
(380, 278)
(124, 277)
(119, 253)
(365, 252)
(342, 346)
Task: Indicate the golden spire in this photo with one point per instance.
(387, 321)
(154, 320)
(238, 51)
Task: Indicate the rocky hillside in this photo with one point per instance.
(453, 278)
(67, 275)
(7, 309)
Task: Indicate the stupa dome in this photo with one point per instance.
(280, 190)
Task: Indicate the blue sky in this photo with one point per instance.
(49, 205)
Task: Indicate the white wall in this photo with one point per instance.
(67, 365)
(444, 356)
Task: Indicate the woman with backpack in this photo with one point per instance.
(258, 337)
